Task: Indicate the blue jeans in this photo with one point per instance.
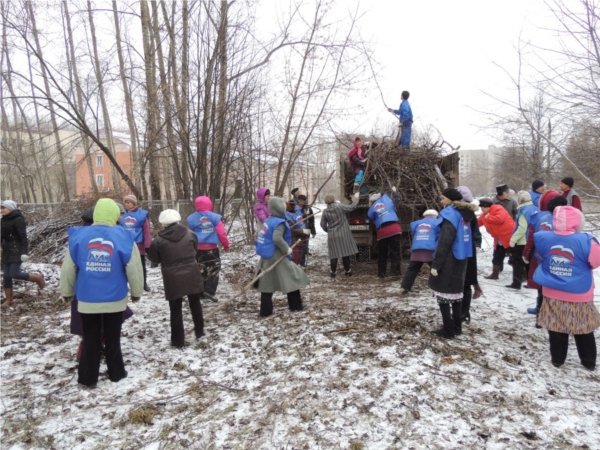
(406, 135)
(13, 270)
(358, 178)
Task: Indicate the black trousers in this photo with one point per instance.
(499, 255)
(89, 365)
(411, 274)
(143, 257)
(520, 269)
(389, 246)
(210, 268)
(266, 302)
(345, 261)
(586, 348)
(177, 333)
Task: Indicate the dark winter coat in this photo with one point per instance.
(471, 275)
(310, 222)
(13, 233)
(451, 271)
(175, 249)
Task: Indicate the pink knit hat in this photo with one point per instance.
(131, 198)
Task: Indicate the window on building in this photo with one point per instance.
(99, 180)
(99, 160)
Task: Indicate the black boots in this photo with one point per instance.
(495, 273)
(295, 301)
(466, 305)
(457, 317)
(447, 331)
(266, 304)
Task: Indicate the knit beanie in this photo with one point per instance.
(466, 193)
(168, 217)
(452, 194)
(430, 213)
(569, 181)
(106, 211)
(329, 199)
(537, 184)
(9, 204)
(130, 198)
(523, 197)
(485, 202)
(121, 207)
(302, 197)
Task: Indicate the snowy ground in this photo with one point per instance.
(358, 369)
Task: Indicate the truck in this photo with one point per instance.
(420, 177)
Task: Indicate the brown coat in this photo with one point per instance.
(175, 249)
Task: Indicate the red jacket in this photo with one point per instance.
(499, 224)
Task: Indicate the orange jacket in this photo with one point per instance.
(499, 224)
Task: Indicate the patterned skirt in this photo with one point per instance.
(569, 317)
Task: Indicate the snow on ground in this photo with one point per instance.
(358, 369)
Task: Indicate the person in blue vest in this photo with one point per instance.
(102, 259)
(527, 210)
(567, 257)
(135, 220)
(537, 189)
(383, 213)
(295, 219)
(449, 267)
(405, 116)
(210, 231)
(425, 233)
(274, 241)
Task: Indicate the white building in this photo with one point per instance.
(476, 170)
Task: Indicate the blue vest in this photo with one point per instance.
(527, 211)
(564, 261)
(264, 244)
(383, 211)
(134, 223)
(543, 221)
(535, 198)
(425, 233)
(204, 225)
(100, 254)
(462, 247)
(295, 218)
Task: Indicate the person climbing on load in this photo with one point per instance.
(358, 162)
(405, 115)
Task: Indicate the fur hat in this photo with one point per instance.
(569, 181)
(485, 202)
(431, 213)
(466, 193)
(452, 194)
(502, 188)
(130, 198)
(536, 184)
(9, 204)
(168, 217)
(523, 197)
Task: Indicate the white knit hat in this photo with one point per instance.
(9, 204)
(430, 213)
(523, 197)
(373, 198)
(168, 217)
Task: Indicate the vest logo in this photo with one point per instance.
(130, 223)
(262, 233)
(206, 225)
(545, 226)
(100, 253)
(380, 209)
(561, 258)
(423, 231)
(466, 226)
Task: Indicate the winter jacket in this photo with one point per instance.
(510, 205)
(357, 158)
(498, 224)
(471, 275)
(334, 222)
(310, 222)
(204, 204)
(13, 233)
(142, 246)
(404, 113)
(519, 236)
(175, 250)
(573, 198)
(286, 276)
(567, 221)
(261, 210)
(451, 271)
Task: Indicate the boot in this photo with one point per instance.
(266, 304)
(403, 291)
(211, 297)
(349, 273)
(516, 283)
(9, 297)
(146, 287)
(465, 315)
(447, 331)
(494, 274)
(456, 317)
(478, 292)
(80, 350)
(332, 275)
(38, 278)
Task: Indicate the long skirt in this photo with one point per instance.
(569, 317)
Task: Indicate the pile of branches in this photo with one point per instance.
(47, 231)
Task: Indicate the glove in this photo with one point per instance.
(135, 299)
(363, 160)
(394, 189)
(306, 231)
(434, 272)
(512, 244)
(356, 195)
(290, 250)
(24, 258)
(477, 249)
(390, 110)
(525, 260)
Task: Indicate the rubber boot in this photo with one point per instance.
(494, 274)
(456, 317)
(266, 304)
(516, 283)
(447, 331)
(38, 278)
(8, 292)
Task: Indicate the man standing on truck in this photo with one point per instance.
(405, 116)
(358, 161)
(389, 232)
